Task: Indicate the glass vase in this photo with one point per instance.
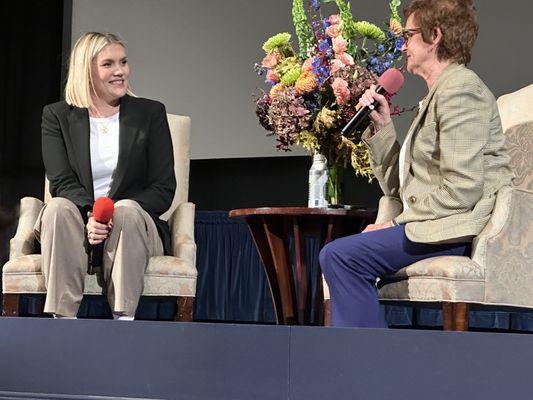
(334, 187)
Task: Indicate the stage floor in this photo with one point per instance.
(82, 359)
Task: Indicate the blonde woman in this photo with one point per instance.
(101, 141)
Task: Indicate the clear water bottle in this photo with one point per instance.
(318, 179)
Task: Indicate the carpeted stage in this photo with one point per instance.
(92, 359)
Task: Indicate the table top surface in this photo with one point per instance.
(353, 211)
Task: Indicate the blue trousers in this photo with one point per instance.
(351, 265)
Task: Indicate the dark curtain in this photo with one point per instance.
(30, 70)
(232, 285)
(30, 76)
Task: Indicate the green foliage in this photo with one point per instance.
(291, 76)
(304, 32)
(394, 4)
(281, 43)
(369, 31)
(348, 25)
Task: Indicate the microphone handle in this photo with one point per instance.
(97, 255)
(360, 115)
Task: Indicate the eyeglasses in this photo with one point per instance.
(409, 33)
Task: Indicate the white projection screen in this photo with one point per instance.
(197, 58)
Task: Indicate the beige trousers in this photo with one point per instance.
(133, 240)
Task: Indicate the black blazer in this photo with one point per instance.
(145, 168)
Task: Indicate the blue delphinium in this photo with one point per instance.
(259, 70)
(398, 43)
(324, 44)
(320, 70)
(385, 53)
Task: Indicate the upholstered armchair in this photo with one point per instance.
(500, 269)
(173, 275)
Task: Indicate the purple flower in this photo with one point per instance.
(399, 43)
(324, 44)
(316, 5)
(381, 48)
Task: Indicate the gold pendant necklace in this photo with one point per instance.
(103, 123)
(102, 127)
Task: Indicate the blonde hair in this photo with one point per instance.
(79, 80)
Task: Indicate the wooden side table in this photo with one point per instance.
(271, 228)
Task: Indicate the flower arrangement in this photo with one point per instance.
(314, 90)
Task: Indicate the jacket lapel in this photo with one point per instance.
(78, 120)
(127, 135)
(413, 130)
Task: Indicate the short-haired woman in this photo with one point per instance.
(101, 141)
(445, 175)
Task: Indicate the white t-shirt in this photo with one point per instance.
(401, 163)
(104, 142)
(401, 160)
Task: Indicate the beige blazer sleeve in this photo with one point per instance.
(384, 154)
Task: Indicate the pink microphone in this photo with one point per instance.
(389, 83)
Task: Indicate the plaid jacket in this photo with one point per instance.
(455, 160)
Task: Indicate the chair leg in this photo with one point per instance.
(184, 310)
(10, 304)
(461, 317)
(455, 316)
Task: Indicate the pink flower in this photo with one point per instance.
(336, 65)
(339, 44)
(272, 76)
(341, 61)
(341, 91)
(346, 59)
(308, 64)
(335, 19)
(333, 31)
(298, 111)
(270, 60)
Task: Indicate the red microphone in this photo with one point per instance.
(389, 83)
(103, 209)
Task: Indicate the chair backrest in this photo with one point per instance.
(516, 114)
(180, 131)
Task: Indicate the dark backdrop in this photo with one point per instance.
(31, 42)
(30, 45)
